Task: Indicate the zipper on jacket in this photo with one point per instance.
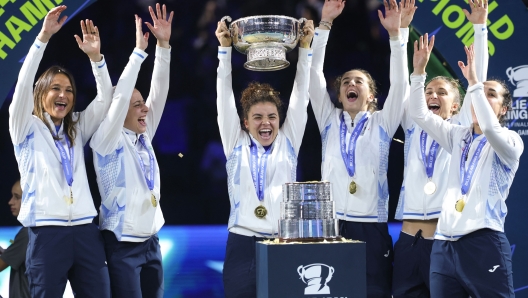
(70, 206)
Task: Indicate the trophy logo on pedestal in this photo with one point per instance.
(519, 77)
(316, 276)
(265, 39)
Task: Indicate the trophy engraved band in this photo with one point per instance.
(265, 39)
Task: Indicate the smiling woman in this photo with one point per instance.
(55, 172)
(261, 157)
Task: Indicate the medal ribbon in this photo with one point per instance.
(429, 161)
(258, 169)
(149, 175)
(466, 176)
(67, 163)
(350, 158)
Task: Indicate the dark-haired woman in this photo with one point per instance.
(261, 157)
(471, 255)
(356, 140)
(426, 171)
(48, 138)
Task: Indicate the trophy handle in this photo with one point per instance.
(229, 28)
(302, 21)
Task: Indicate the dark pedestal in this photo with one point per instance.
(315, 270)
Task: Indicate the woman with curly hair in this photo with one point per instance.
(261, 157)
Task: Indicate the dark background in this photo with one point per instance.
(194, 188)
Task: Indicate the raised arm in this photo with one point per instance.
(478, 17)
(408, 9)
(106, 139)
(159, 86)
(488, 107)
(21, 108)
(296, 117)
(321, 103)
(228, 120)
(434, 125)
(393, 108)
(96, 111)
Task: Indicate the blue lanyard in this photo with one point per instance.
(429, 161)
(149, 175)
(466, 176)
(67, 163)
(258, 169)
(349, 158)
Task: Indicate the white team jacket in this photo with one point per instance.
(45, 199)
(126, 207)
(282, 161)
(370, 202)
(413, 202)
(499, 160)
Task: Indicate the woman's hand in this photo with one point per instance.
(479, 11)
(141, 38)
(469, 71)
(392, 20)
(223, 34)
(309, 31)
(422, 52)
(331, 10)
(52, 23)
(162, 26)
(91, 42)
(407, 9)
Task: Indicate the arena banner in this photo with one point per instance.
(507, 45)
(20, 22)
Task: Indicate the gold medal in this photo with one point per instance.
(153, 200)
(352, 187)
(460, 204)
(430, 188)
(260, 212)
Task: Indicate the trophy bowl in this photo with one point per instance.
(265, 39)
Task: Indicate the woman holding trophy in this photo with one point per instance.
(261, 157)
(354, 127)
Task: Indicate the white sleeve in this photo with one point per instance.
(296, 117)
(94, 114)
(509, 145)
(159, 89)
(228, 120)
(406, 121)
(392, 112)
(439, 129)
(21, 108)
(321, 103)
(481, 63)
(106, 139)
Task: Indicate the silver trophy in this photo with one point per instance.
(265, 40)
(307, 212)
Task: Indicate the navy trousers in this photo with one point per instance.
(379, 254)
(56, 254)
(135, 267)
(477, 265)
(240, 275)
(412, 258)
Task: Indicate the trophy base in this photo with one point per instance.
(311, 240)
(266, 57)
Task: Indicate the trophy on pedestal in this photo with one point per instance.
(265, 39)
(308, 213)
